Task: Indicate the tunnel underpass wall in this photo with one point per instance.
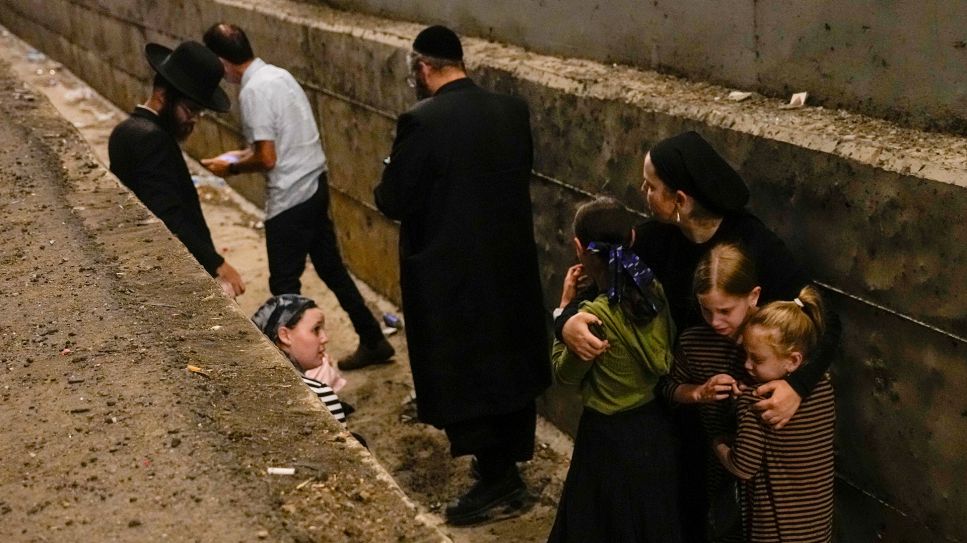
(875, 213)
(902, 60)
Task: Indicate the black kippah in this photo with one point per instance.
(688, 163)
(439, 42)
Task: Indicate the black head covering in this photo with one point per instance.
(193, 69)
(688, 163)
(439, 42)
(279, 311)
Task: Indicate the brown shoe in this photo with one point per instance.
(381, 353)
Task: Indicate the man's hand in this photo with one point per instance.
(226, 274)
(217, 166)
(574, 279)
(718, 387)
(780, 404)
(580, 340)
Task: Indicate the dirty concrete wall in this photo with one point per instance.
(901, 60)
(875, 212)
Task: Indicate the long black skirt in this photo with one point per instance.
(622, 485)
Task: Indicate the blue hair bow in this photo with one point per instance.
(624, 265)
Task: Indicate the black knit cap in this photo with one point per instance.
(439, 42)
(688, 163)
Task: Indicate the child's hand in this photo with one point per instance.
(721, 448)
(574, 279)
(780, 404)
(579, 339)
(718, 387)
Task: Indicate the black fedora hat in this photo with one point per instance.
(193, 69)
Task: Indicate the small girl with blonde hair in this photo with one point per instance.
(787, 474)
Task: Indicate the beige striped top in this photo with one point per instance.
(787, 473)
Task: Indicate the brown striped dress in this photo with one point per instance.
(788, 473)
(700, 354)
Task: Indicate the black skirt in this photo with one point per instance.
(622, 485)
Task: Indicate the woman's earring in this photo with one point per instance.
(678, 216)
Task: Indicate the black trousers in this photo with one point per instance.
(498, 441)
(307, 229)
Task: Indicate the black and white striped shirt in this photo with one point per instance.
(328, 397)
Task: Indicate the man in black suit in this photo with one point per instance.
(458, 181)
(145, 155)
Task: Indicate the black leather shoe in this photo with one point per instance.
(487, 498)
(381, 353)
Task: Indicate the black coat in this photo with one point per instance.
(148, 160)
(458, 181)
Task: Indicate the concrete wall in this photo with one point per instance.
(899, 60)
(874, 211)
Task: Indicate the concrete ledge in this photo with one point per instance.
(111, 309)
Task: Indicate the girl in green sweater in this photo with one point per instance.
(621, 485)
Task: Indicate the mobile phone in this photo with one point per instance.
(597, 329)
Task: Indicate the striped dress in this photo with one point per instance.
(788, 474)
(700, 354)
(327, 397)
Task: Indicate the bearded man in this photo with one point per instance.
(458, 180)
(145, 154)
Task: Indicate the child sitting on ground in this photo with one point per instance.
(787, 474)
(622, 483)
(297, 327)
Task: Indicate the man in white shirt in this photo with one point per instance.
(284, 143)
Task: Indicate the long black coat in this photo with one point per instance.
(147, 159)
(458, 181)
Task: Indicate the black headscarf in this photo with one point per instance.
(688, 163)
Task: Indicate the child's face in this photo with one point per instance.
(726, 313)
(762, 362)
(305, 343)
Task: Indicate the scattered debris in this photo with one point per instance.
(392, 321)
(35, 56)
(738, 96)
(199, 371)
(281, 471)
(797, 101)
(66, 351)
(78, 95)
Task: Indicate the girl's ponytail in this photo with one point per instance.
(800, 323)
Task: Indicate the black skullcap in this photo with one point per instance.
(439, 42)
(280, 311)
(688, 163)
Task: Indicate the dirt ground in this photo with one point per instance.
(123, 438)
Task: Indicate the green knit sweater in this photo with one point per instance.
(624, 376)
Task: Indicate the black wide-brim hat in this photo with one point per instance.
(192, 69)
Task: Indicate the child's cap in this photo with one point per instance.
(280, 311)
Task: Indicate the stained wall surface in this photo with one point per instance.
(901, 60)
(875, 211)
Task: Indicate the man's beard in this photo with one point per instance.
(422, 90)
(168, 118)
